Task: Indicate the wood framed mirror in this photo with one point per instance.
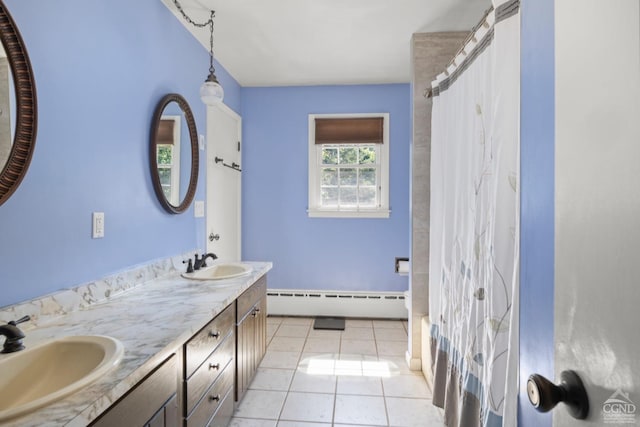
(18, 107)
(173, 153)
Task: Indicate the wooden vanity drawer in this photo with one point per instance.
(213, 398)
(143, 401)
(204, 342)
(249, 297)
(208, 372)
(224, 413)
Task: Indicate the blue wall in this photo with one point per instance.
(537, 201)
(100, 68)
(319, 253)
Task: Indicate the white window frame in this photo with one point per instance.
(175, 160)
(314, 209)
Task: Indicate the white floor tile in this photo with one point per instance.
(397, 365)
(321, 345)
(352, 425)
(324, 333)
(297, 321)
(294, 331)
(251, 422)
(308, 407)
(301, 424)
(412, 413)
(358, 347)
(388, 324)
(360, 410)
(387, 334)
(272, 379)
(313, 383)
(358, 334)
(406, 386)
(358, 323)
(391, 348)
(274, 320)
(286, 344)
(271, 329)
(280, 359)
(318, 363)
(261, 404)
(361, 385)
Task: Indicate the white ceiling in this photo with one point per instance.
(314, 42)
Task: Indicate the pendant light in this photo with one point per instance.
(211, 92)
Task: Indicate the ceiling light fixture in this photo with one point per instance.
(211, 92)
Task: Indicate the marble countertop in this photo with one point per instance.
(152, 321)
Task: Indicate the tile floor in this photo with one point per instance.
(320, 378)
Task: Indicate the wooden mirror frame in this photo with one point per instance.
(12, 173)
(153, 157)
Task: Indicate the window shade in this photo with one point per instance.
(361, 130)
(165, 132)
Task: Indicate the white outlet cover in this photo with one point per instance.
(198, 209)
(97, 227)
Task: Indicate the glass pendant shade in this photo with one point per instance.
(211, 93)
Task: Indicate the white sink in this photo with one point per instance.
(37, 376)
(220, 271)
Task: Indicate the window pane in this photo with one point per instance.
(367, 196)
(348, 156)
(367, 155)
(329, 156)
(348, 196)
(348, 176)
(329, 176)
(164, 154)
(367, 176)
(165, 176)
(166, 189)
(329, 196)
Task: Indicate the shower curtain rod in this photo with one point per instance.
(503, 11)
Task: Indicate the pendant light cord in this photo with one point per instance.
(201, 25)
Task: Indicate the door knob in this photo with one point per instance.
(544, 395)
(213, 237)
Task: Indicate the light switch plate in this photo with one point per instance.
(198, 209)
(98, 225)
(201, 142)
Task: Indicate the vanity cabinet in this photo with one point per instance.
(207, 381)
(150, 403)
(251, 334)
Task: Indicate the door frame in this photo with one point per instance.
(222, 108)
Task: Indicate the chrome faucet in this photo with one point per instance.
(13, 335)
(202, 262)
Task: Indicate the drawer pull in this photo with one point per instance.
(257, 310)
(254, 313)
(216, 366)
(215, 334)
(215, 398)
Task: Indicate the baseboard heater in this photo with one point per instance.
(375, 305)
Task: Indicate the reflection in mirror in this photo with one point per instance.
(6, 102)
(18, 107)
(174, 153)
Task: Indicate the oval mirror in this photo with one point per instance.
(173, 153)
(18, 119)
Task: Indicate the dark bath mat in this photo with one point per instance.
(331, 323)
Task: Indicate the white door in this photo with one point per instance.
(224, 163)
(597, 235)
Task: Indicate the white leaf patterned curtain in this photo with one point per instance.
(473, 289)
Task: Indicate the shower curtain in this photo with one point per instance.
(473, 289)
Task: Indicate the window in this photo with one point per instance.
(349, 165)
(168, 155)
